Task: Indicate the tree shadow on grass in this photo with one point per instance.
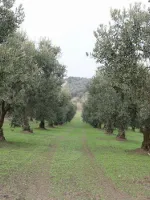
(138, 151)
(134, 141)
(11, 144)
(106, 149)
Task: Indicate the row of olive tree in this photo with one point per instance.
(31, 76)
(119, 95)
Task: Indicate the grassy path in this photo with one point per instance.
(73, 162)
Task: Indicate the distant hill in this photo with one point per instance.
(77, 86)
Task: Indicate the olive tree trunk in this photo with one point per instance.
(109, 128)
(42, 124)
(100, 126)
(121, 134)
(25, 122)
(2, 138)
(133, 128)
(26, 126)
(109, 131)
(146, 139)
(4, 109)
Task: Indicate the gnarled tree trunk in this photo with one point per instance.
(4, 110)
(121, 134)
(2, 138)
(42, 124)
(104, 127)
(25, 123)
(26, 126)
(100, 126)
(109, 131)
(146, 139)
(109, 128)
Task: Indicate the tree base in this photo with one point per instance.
(44, 129)
(121, 139)
(42, 125)
(2, 138)
(27, 129)
(146, 146)
(109, 132)
(121, 135)
(146, 138)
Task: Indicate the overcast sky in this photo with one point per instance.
(70, 25)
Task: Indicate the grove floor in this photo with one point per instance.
(72, 162)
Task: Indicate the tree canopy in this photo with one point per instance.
(9, 19)
(77, 86)
(118, 92)
(31, 76)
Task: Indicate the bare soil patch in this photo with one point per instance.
(144, 181)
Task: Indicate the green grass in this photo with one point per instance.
(125, 167)
(70, 170)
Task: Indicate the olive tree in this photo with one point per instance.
(17, 73)
(50, 80)
(121, 47)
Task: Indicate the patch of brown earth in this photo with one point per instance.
(139, 151)
(144, 181)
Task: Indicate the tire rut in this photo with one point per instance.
(109, 190)
(33, 184)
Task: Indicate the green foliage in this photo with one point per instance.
(31, 77)
(9, 19)
(119, 93)
(71, 111)
(18, 72)
(102, 104)
(16, 120)
(17, 69)
(44, 100)
(65, 110)
(50, 79)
